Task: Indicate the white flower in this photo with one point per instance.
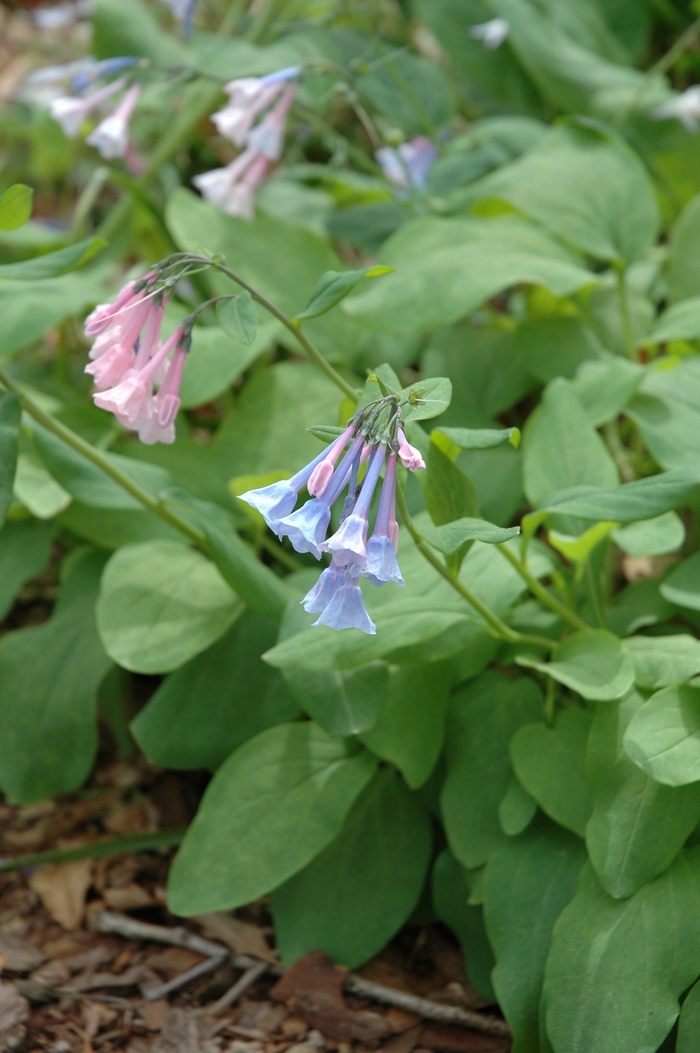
(111, 137)
(70, 111)
(685, 107)
(491, 33)
(232, 189)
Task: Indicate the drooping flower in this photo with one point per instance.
(346, 609)
(111, 137)
(232, 189)
(348, 544)
(43, 85)
(71, 111)
(492, 33)
(685, 107)
(409, 456)
(381, 562)
(408, 166)
(249, 97)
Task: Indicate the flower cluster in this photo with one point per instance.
(255, 118)
(129, 361)
(75, 91)
(408, 166)
(375, 436)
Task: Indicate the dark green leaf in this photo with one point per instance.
(450, 898)
(10, 415)
(48, 679)
(682, 585)
(325, 432)
(238, 317)
(517, 808)
(25, 548)
(482, 719)
(662, 661)
(689, 1023)
(358, 892)
(15, 206)
(54, 263)
(609, 957)
(211, 705)
(641, 499)
(334, 286)
(273, 806)
(663, 737)
(481, 438)
(449, 537)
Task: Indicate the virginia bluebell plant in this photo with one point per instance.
(374, 435)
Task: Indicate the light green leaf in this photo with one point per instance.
(334, 286)
(213, 362)
(683, 272)
(605, 387)
(550, 764)
(578, 549)
(590, 661)
(127, 27)
(663, 661)
(349, 911)
(480, 438)
(410, 728)
(663, 737)
(689, 1022)
(449, 537)
(651, 537)
(682, 585)
(211, 705)
(48, 731)
(238, 317)
(450, 899)
(429, 398)
(10, 416)
(532, 876)
(15, 206)
(641, 499)
(482, 719)
(681, 321)
(666, 411)
(271, 808)
(111, 528)
(37, 490)
(638, 826)
(447, 267)
(25, 548)
(589, 1004)
(516, 809)
(406, 88)
(562, 449)
(160, 604)
(587, 187)
(53, 264)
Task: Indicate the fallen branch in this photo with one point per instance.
(122, 925)
(152, 994)
(234, 993)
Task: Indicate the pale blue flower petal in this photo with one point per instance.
(273, 501)
(347, 611)
(347, 545)
(381, 561)
(318, 598)
(306, 528)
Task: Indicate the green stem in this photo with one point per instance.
(313, 352)
(115, 846)
(324, 128)
(497, 625)
(628, 333)
(262, 23)
(543, 594)
(594, 595)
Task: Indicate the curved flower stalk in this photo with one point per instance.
(374, 435)
(137, 377)
(233, 188)
(408, 166)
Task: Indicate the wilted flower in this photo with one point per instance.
(686, 107)
(492, 33)
(373, 434)
(409, 164)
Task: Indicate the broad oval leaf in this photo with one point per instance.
(651, 537)
(663, 737)
(238, 317)
(689, 1022)
(480, 438)
(448, 538)
(592, 662)
(641, 499)
(269, 810)
(334, 286)
(160, 604)
(429, 398)
(662, 661)
(682, 585)
(15, 206)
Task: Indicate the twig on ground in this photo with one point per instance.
(234, 993)
(122, 925)
(152, 994)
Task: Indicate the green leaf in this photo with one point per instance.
(410, 728)
(406, 88)
(586, 186)
(428, 399)
(449, 496)
(10, 416)
(54, 263)
(550, 764)
(25, 548)
(48, 679)
(638, 826)
(654, 935)
(239, 317)
(517, 808)
(663, 737)
(37, 490)
(127, 27)
(113, 527)
(681, 321)
(605, 387)
(450, 899)
(271, 808)
(211, 705)
(160, 604)
(352, 911)
(213, 362)
(642, 499)
(666, 411)
(682, 585)
(325, 432)
(590, 661)
(482, 719)
(480, 438)
(689, 1022)
(561, 449)
(683, 272)
(663, 661)
(651, 537)
(451, 536)
(15, 206)
(334, 286)
(532, 876)
(447, 267)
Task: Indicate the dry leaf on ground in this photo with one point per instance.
(62, 889)
(241, 936)
(14, 1010)
(19, 954)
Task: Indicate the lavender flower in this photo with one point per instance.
(381, 562)
(346, 610)
(409, 164)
